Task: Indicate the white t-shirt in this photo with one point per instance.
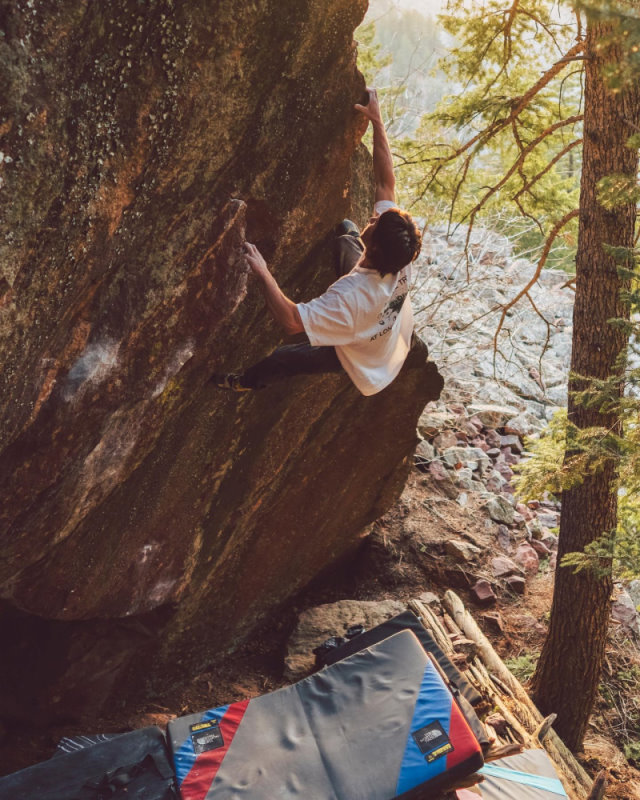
(368, 319)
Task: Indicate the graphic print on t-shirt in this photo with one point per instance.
(389, 313)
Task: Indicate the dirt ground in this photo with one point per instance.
(403, 557)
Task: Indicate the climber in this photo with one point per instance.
(362, 324)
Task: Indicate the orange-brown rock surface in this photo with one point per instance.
(140, 144)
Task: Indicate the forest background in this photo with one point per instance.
(523, 117)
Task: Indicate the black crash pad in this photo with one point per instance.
(134, 766)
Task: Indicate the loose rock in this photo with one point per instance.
(482, 593)
(461, 551)
(503, 566)
(500, 509)
(527, 558)
(516, 583)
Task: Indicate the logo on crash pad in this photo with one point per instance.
(206, 736)
(433, 741)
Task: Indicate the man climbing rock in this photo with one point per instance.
(363, 323)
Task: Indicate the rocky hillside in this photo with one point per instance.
(139, 506)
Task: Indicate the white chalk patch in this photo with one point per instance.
(161, 592)
(93, 366)
(146, 552)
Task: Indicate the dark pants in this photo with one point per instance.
(303, 359)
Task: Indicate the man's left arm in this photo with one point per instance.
(284, 311)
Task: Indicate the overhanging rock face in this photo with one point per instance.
(140, 145)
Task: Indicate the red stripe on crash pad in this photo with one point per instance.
(461, 737)
(201, 775)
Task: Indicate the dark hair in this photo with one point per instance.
(396, 242)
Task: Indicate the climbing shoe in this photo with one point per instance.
(229, 381)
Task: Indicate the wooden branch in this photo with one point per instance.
(522, 102)
(580, 781)
(543, 26)
(516, 164)
(543, 729)
(543, 172)
(547, 247)
(546, 341)
(599, 786)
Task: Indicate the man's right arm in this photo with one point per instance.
(382, 159)
(284, 311)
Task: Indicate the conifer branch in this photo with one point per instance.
(549, 166)
(543, 258)
(523, 154)
(516, 164)
(543, 25)
(518, 106)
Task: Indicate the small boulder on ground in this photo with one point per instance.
(516, 583)
(493, 439)
(541, 548)
(624, 612)
(482, 593)
(425, 450)
(503, 566)
(461, 551)
(445, 439)
(523, 425)
(492, 416)
(316, 625)
(499, 509)
(513, 442)
(505, 539)
(527, 558)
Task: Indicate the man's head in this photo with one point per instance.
(391, 241)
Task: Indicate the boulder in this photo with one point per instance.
(443, 479)
(505, 539)
(464, 478)
(541, 548)
(316, 625)
(523, 425)
(471, 457)
(516, 583)
(634, 593)
(482, 593)
(512, 441)
(445, 439)
(525, 511)
(425, 450)
(623, 611)
(432, 422)
(548, 518)
(141, 151)
(510, 457)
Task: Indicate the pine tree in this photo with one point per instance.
(568, 672)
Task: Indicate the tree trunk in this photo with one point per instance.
(568, 672)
